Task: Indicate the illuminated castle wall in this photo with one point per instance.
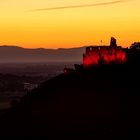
(104, 54)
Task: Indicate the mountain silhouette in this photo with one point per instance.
(18, 54)
(99, 102)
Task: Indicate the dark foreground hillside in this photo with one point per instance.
(103, 102)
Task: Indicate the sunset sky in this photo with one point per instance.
(68, 28)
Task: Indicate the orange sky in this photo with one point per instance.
(68, 27)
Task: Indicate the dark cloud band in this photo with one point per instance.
(78, 6)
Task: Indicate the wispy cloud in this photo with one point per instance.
(77, 6)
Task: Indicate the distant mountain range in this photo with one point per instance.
(18, 54)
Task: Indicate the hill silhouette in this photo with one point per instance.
(100, 102)
(18, 54)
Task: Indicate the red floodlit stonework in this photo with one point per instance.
(104, 54)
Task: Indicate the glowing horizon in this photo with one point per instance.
(68, 28)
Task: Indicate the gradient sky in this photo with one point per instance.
(68, 27)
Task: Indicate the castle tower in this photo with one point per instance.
(113, 42)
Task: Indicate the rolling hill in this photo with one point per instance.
(18, 54)
(93, 103)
